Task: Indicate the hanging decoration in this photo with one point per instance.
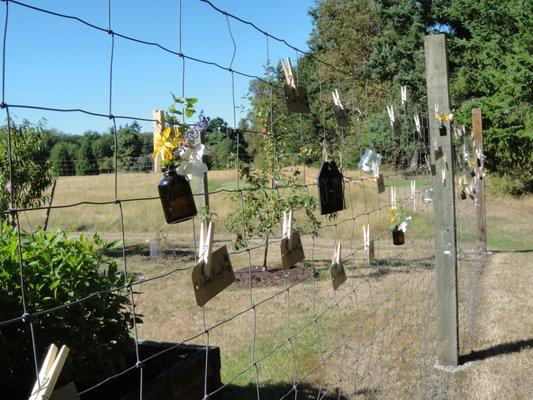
(330, 188)
(340, 111)
(295, 95)
(398, 224)
(370, 163)
(181, 154)
(442, 118)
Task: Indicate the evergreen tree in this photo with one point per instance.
(63, 159)
(86, 163)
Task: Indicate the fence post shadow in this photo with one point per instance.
(497, 350)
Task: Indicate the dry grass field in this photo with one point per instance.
(371, 339)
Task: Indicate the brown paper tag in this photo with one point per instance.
(341, 115)
(338, 275)
(67, 392)
(296, 99)
(396, 128)
(222, 276)
(371, 255)
(381, 183)
(438, 153)
(291, 257)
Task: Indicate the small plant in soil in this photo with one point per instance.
(399, 221)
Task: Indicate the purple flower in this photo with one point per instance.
(8, 186)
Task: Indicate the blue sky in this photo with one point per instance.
(61, 63)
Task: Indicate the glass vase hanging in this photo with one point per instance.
(176, 197)
(370, 162)
(398, 237)
(330, 188)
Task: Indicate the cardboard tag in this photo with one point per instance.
(433, 169)
(341, 115)
(296, 99)
(381, 183)
(296, 254)
(67, 392)
(438, 153)
(338, 275)
(222, 276)
(371, 254)
(396, 128)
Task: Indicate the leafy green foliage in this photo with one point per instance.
(86, 163)
(32, 174)
(63, 159)
(57, 270)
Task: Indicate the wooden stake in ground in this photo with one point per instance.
(159, 124)
(443, 203)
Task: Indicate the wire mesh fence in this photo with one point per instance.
(284, 334)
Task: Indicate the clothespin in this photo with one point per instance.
(444, 167)
(403, 93)
(336, 261)
(50, 370)
(390, 111)
(325, 153)
(436, 108)
(393, 197)
(366, 237)
(418, 127)
(206, 246)
(337, 99)
(287, 70)
(413, 194)
(287, 228)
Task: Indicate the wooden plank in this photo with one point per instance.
(443, 203)
(159, 124)
(477, 133)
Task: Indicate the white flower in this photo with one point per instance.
(403, 226)
(191, 161)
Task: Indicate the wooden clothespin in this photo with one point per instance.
(368, 243)
(444, 167)
(50, 370)
(338, 275)
(390, 111)
(337, 99)
(418, 127)
(206, 246)
(413, 194)
(393, 193)
(287, 228)
(287, 70)
(403, 94)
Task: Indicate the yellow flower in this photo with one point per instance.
(443, 117)
(393, 217)
(166, 141)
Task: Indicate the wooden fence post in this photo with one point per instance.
(159, 124)
(204, 184)
(477, 133)
(443, 185)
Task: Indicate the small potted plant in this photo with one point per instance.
(181, 155)
(398, 224)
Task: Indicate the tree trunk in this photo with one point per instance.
(265, 255)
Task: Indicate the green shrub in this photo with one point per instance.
(57, 270)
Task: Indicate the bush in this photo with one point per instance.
(58, 270)
(86, 163)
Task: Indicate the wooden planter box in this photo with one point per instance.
(177, 374)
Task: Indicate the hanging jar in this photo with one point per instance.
(176, 197)
(330, 188)
(398, 236)
(370, 162)
(427, 195)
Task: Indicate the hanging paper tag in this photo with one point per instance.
(221, 276)
(380, 183)
(67, 392)
(296, 99)
(438, 152)
(396, 128)
(295, 254)
(371, 254)
(338, 275)
(341, 115)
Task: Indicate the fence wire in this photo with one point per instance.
(297, 338)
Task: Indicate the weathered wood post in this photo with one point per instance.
(203, 182)
(159, 124)
(477, 133)
(443, 203)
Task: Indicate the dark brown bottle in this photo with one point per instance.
(398, 237)
(176, 197)
(442, 129)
